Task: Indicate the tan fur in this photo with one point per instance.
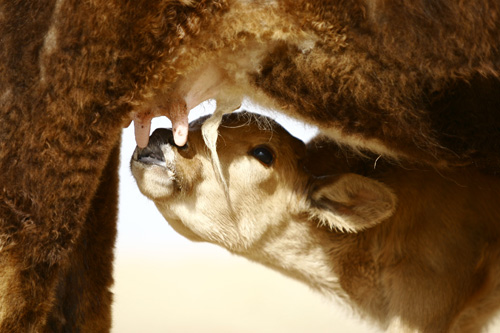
(8, 280)
(411, 249)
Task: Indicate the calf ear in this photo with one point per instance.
(350, 202)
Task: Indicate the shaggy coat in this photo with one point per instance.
(416, 80)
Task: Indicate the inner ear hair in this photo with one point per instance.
(350, 202)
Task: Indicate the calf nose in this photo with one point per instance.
(161, 136)
(153, 153)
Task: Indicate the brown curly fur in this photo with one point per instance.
(419, 81)
(62, 111)
(420, 78)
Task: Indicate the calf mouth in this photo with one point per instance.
(151, 155)
(153, 167)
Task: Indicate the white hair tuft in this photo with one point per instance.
(210, 133)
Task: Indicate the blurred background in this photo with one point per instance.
(165, 283)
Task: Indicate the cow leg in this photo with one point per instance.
(83, 300)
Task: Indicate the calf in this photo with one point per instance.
(414, 250)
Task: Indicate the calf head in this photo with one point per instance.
(267, 184)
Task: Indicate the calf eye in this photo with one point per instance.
(263, 154)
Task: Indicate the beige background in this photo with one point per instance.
(205, 291)
(164, 283)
